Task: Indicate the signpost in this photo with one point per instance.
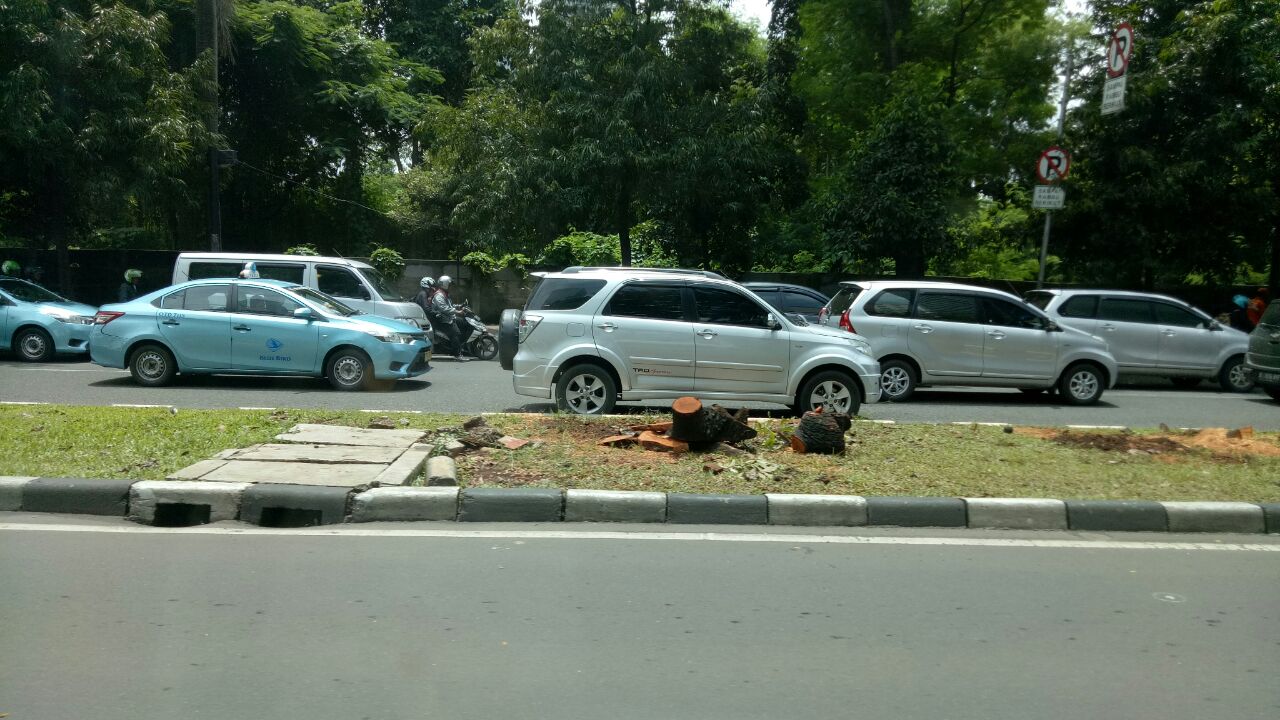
(1119, 50)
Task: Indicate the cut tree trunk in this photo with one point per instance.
(820, 432)
(696, 424)
(653, 441)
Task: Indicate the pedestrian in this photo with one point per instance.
(1257, 306)
(129, 288)
(1238, 318)
(11, 268)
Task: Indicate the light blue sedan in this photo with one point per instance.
(37, 323)
(254, 327)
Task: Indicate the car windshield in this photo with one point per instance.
(380, 284)
(29, 292)
(329, 304)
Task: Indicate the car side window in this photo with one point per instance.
(339, 282)
(206, 270)
(288, 272)
(843, 299)
(1124, 310)
(655, 302)
(209, 298)
(1167, 314)
(892, 303)
(1007, 314)
(798, 302)
(726, 307)
(1080, 306)
(172, 301)
(948, 307)
(259, 301)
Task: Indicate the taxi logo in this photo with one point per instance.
(274, 344)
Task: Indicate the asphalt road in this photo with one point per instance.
(485, 387)
(363, 622)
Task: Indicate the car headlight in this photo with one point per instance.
(411, 321)
(74, 319)
(392, 337)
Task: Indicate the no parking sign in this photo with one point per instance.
(1054, 164)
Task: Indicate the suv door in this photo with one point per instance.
(197, 326)
(1128, 326)
(644, 325)
(734, 349)
(342, 283)
(1017, 344)
(1186, 342)
(945, 335)
(266, 336)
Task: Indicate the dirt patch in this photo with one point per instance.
(1119, 442)
(482, 472)
(575, 429)
(1039, 433)
(1218, 441)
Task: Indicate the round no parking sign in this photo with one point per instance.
(1053, 165)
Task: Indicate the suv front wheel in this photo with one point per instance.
(831, 390)
(1081, 384)
(897, 380)
(586, 389)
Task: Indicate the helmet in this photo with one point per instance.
(426, 282)
(11, 267)
(445, 281)
(250, 271)
(132, 274)
(1240, 301)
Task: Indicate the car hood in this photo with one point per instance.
(827, 332)
(1083, 338)
(377, 322)
(72, 308)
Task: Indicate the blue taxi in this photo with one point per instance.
(37, 323)
(254, 327)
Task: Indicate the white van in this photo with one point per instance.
(353, 282)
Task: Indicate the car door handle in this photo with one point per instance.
(1108, 328)
(926, 329)
(607, 326)
(996, 334)
(708, 333)
(171, 323)
(1168, 333)
(241, 328)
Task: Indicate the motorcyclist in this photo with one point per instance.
(129, 288)
(423, 299)
(11, 268)
(444, 315)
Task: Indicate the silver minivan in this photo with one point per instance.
(1154, 335)
(353, 282)
(935, 333)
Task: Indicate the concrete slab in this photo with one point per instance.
(82, 496)
(339, 435)
(405, 469)
(223, 499)
(832, 510)
(916, 511)
(1017, 513)
(442, 471)
(198, 470)
(293, 505)
(1215, 517)
(511, 505)
(614, 506)
(405, 504)
(717, 509)
(296, 473)
(11, 491)
(1117, 515)
(291, 452)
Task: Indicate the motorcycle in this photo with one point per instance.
(476, 339)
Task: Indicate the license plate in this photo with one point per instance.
(1267, 377)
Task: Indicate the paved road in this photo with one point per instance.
(358, 623)
(484, 387)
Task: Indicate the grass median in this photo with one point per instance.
(929, 460)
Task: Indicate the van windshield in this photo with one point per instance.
(318, 298)
(379, 283)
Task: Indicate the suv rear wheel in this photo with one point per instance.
(897, 380)
(1081, 384)
(1234, 376)
(586, 389)
(831, 390)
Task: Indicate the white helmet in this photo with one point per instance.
(250, 271)
(445, 281)
(426, 282)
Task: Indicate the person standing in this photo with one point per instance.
(1257, 306)
(129, 288)
(1238, 317)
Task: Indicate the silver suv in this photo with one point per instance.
(592, 336)
(933, 333)
(1154, 335)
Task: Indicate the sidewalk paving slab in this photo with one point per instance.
(340, 435)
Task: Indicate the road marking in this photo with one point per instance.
(128, 405)
(383, 412)
(983, 424)
(350, 531)
(255, 408)
(21, 402)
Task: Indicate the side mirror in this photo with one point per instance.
(1215, 326)
(304, 313)
(1053, 327)
(772, 322)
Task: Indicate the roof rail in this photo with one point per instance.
(673, 271)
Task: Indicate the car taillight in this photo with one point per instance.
(105, 316)
(844, 322)
(822, 315)
(527, 324)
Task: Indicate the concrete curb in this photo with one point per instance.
(174, 503)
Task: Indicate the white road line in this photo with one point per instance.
(349, 531)
(128, 405)
(20, 402)
(68, 370)
(983, 424)
(383, 412)
(255, 408)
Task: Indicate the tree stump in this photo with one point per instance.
(821, 433)
(695, 424)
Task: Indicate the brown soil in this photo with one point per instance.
(1215, 440)
(1119, 442)
(482, 472)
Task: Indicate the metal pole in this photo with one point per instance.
(1062, 120)
(215, 205)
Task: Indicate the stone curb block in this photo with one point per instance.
(916, 511)
(798, 509)
(1017, 513)
(405, 504)
(77, 495)
(697, 509)
(614, 506)
(1118, 515)
(222, 498)
(1225, 517)
(1271, 511)
(442, 471)
(11, 491)
(511, 505)
(276, 501)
